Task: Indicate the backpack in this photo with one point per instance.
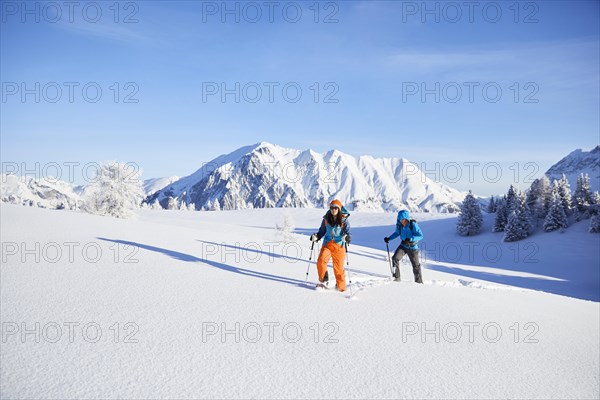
(410, 224)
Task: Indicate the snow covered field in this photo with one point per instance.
(213, 305)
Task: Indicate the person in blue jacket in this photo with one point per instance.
(409, 232)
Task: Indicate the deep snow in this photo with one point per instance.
(200, 273)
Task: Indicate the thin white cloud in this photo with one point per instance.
(547, 56)
(127, 33)
(558, 67)
(423, 60)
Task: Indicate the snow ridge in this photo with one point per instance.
(155, 184)
(577, 162)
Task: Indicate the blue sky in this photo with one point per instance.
(546, 52)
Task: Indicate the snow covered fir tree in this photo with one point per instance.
(564, 192)
(501, 215)
(582, 197)
(511, 198)
(552, 204)
(504, 208)
(556, 218)
(470, 220)
(538, 198)
(518, 226)
(491, 208)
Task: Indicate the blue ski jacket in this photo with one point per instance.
(334, 233)
(411, 231)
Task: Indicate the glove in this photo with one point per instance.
(346, 238)
(314, 237)
(408, 242)
(386, 239)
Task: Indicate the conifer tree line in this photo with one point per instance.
(547, 206)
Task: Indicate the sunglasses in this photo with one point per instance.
(334, 208)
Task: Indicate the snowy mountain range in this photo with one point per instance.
(43, 193)
(265, 175)
(54, 193)
(577, 162)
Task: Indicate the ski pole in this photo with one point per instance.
(309, 260)
(390, 259)
(348, 263)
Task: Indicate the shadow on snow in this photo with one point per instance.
(225, 267)
(572, 275)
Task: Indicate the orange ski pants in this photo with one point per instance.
(338, 253)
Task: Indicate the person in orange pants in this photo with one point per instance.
(335, 230)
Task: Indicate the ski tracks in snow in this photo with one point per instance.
(363, 282)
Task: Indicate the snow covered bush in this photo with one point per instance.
(470, 220)
(284, 231)
(116, 190)
(172, 203)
